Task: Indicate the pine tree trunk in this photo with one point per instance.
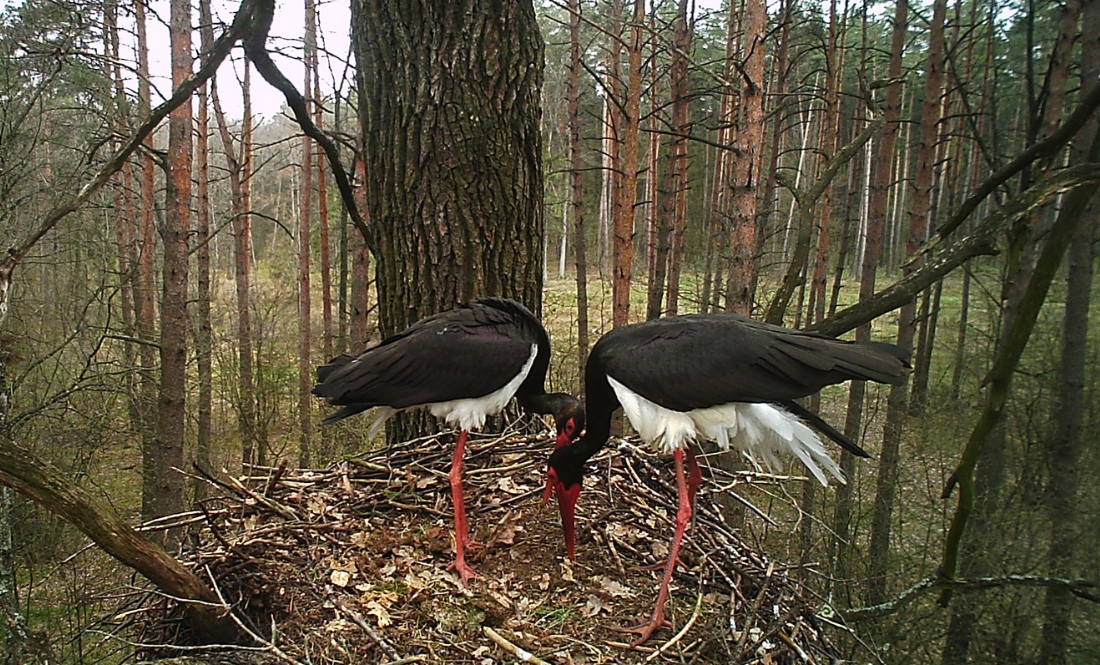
(623, 246)
(166, 494)
(240, 188)
(745, 178)
(204, 332)
(673, 209)
(1069, 441)
(145, 292)
(576, 176)
(887, 481)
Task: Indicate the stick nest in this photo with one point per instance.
(349, 565)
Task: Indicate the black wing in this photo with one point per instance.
(697, 361)
(467, 352)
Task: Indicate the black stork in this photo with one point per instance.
(463, 365)
(721, 377)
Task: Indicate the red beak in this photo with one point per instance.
(563, 440)
(567, 504)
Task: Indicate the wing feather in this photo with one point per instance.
(699, 361)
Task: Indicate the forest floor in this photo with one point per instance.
(349, 565)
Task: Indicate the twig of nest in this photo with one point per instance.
(348, 564)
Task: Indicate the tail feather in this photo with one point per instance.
(818, 423)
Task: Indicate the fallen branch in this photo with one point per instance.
(518, 652)
(1079, 587)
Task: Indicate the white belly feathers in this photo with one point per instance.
(760, 431)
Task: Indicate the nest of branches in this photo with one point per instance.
(349, 565)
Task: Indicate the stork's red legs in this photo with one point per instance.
(462, 529)
(688, 484)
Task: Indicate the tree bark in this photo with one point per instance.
(240, 189)
(1068, 444)
(165, 496)
(745, 177)
(576, 177)
(39, 480)
(448, 224)
(673, 195)
(896, 409)
(145, 291)
(305, 246)
(623, 246)
(204, 333)
(360, 267)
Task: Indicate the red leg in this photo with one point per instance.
(462, 530)
(683, 516)
(695, 475)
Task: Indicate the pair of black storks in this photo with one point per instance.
(720, 377)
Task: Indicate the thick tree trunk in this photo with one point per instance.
(448, 224)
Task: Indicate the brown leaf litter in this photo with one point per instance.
(349, 565)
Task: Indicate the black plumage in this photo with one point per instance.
(464, 364)
(718, 376)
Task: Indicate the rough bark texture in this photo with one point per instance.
(745, 176)
(623, 245)
(674, 198)
(450, 108)
(165, 496)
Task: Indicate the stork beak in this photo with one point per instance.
(567, 504)
(563, 440)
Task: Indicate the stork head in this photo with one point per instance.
(564, 478)
(569, 420)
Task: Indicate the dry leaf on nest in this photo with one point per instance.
(615, 589)
(339, 625)
(592, 606)
(316, 505)
(506, 484)
(505, 533)
(375, 609)
(340, 578)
